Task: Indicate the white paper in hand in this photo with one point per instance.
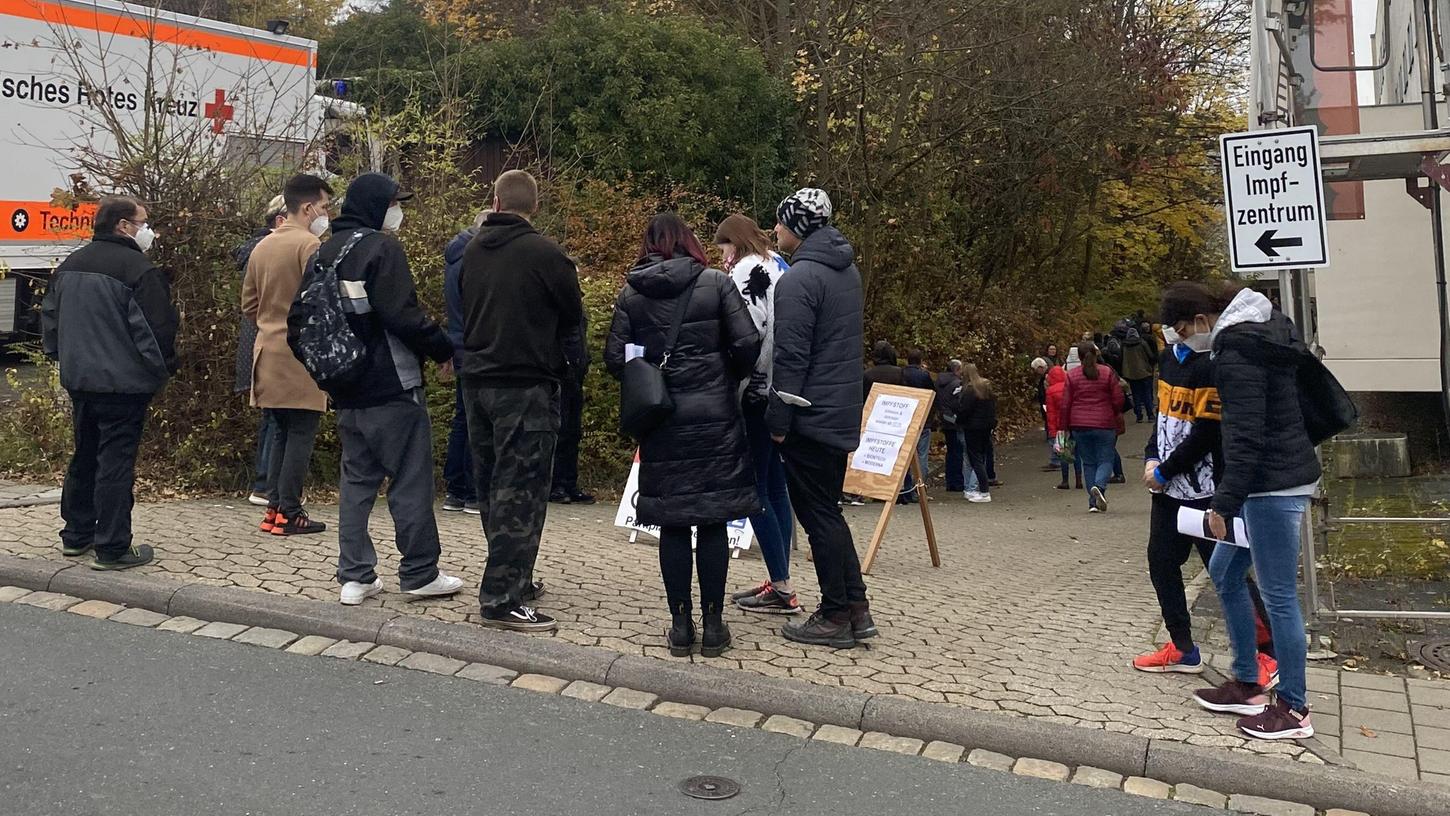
(633, 352)
(1194, 523)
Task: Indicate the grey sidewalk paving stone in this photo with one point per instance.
(1370, 698)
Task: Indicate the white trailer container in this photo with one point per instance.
(75, 72)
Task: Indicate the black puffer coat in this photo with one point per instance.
(695, 469)
(1266, 447)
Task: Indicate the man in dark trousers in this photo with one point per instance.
(815, 407)
(108, 320)
(382, 413)
(520, 301)
(571, 419)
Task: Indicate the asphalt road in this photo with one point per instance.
(104, 718)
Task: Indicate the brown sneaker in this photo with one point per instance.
(1234, 697)
(1278, 722)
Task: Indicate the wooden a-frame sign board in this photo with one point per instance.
(891, 424)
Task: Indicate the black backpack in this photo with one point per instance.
(317, 328)
(1326, 406)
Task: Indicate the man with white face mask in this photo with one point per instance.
(279, 382)
(109, 322)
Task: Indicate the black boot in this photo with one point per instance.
(716, 638)
(681, 636)
(862, 626)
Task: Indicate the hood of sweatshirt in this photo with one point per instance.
(500, 228)
(366, 202)
(1249, 324)
(453, 253)
(655, 278)
(826, 246)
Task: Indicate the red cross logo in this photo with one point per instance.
(219, 112)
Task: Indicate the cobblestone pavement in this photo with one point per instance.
(1036, 611)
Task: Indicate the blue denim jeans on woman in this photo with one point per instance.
(775, 526)
(1096, 449)
(1273, 530)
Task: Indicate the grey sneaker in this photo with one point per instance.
(772, 602)
(136, 556)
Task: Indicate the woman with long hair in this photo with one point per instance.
(1270, 471)
(755, 268)
(1092, 404)
(977, 417)
(694, 468)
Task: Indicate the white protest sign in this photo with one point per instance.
(1274, 198)
(738, 532)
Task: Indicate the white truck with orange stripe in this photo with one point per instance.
(74, 71)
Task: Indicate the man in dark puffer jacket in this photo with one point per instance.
(818, 339)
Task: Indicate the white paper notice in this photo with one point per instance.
(877, 453)
(1194, 523)
(632, 352)
(891, 415)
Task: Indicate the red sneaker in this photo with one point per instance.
(1167, 659)
(1279, 721)
(1268, 671)
(269, 520)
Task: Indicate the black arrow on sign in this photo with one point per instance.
(1267, 243)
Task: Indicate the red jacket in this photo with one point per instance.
(1056, 387)
(1092, 404)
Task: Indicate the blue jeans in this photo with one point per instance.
(923, 445)
(956, 456)
(1097, 449)
(264, 451)
(776, 525)
(1273, 529)
(458, 462)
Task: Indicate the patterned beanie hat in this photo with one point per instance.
(806, 211)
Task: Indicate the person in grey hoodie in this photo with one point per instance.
(815, 407)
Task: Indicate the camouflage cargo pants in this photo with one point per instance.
(512, 431)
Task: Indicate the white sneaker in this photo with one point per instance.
(1100, 501)
(258, 499)
(979, 498)
(354, 593)
(1094, 510)
(442, 585)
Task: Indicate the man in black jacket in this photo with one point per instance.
(108, 320)
(520, 300)
(382, 415)
(818, 338)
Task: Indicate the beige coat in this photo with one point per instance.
(274, 273)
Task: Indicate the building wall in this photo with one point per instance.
(1399, 80)
(1376, 306)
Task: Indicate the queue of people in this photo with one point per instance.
(764, 392)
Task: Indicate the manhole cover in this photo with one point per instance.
(1432, 654)
(709, 787)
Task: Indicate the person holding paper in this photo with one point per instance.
(819, 317)
(1181, 465)
(1271, 470)
(694, 468)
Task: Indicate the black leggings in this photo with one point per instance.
(979, 446)
(712, 559)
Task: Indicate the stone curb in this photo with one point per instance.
(1323, 787)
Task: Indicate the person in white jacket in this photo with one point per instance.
(755, 269)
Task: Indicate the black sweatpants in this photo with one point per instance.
(711, 557)
(98, 493)
(814, 474)
(1168, 551)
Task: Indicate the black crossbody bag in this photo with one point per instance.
(644, 397)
